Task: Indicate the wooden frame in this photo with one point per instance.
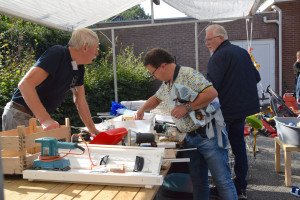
(19, 149)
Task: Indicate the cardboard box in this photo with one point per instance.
(19, 149)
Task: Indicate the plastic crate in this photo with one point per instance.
(19, 149)
(286, 133)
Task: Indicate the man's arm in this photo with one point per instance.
(27, 85)
(83, 109)
(150, 104)
(202, 100)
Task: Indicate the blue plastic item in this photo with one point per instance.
(295, 191)
(114, 107)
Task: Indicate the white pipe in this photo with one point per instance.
(114, 63)
(152, 12)
(196, 46)
(279, 22)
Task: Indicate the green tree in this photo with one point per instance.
(134, 13)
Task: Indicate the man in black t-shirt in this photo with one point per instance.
(44, 86)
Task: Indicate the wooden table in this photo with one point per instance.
(15, 188)
(287, 159)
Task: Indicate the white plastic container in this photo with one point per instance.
(286, 133)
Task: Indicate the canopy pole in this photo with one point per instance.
(196, 47)
(114, 63)
(152, 12)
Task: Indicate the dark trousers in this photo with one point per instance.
(235, 129)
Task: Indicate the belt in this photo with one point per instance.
(201, 130)
(21, 108)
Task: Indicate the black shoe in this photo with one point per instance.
(213, 193)
(242, 194)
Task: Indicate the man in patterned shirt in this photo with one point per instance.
(208, 154)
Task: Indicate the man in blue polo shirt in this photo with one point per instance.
(44, 87)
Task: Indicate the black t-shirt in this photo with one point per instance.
(296, 68)
(52, 91)
(234, 76)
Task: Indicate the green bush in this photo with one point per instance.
(21, 43)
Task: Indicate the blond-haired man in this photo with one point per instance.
(43, 88)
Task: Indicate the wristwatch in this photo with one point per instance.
(188, 107)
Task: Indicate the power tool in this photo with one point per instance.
(50, 158)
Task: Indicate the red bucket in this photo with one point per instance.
(110, 137)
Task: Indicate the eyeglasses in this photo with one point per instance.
(209, 39)
(153, 76)
(104, 160)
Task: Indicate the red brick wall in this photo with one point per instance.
(179, 40)
(290, 40)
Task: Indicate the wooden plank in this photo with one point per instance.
(17, 188)
(288, 170)
(13, 132)
(32, 129)
(287, 146)
(58, 133)
(127, 193)
(169, 154)
(55, 191)
(10, 165)
(108, 193)
(12, 188)
(22, 151)
(35, 190)
(10, 143)
(146, 194)
(277, 157)
(71, 192)
(89, 192)
(67, 124)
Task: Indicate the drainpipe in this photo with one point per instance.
(279, 22)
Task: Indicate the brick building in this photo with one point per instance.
(179, 39)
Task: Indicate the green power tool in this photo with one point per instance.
(50, 158)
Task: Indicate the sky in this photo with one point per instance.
(161, 11)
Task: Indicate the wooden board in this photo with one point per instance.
(118, 155)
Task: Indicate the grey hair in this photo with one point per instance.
(83, 36)
(217, 30)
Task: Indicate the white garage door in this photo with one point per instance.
(264, 54)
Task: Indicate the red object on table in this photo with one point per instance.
(110, 137)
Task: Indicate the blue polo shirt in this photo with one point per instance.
(52, 91)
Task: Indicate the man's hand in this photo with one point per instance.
(49, 124)
(138, 115)
(179, 111)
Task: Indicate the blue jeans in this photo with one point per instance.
(235, 129)
(209, 156)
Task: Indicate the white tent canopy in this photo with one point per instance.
(73, 14)
(70, 15)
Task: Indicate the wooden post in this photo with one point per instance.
(287, 169)
(33, 129)
(22, 150)
(67, 123)
(277, 156)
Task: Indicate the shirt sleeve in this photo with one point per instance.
(50, 59)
